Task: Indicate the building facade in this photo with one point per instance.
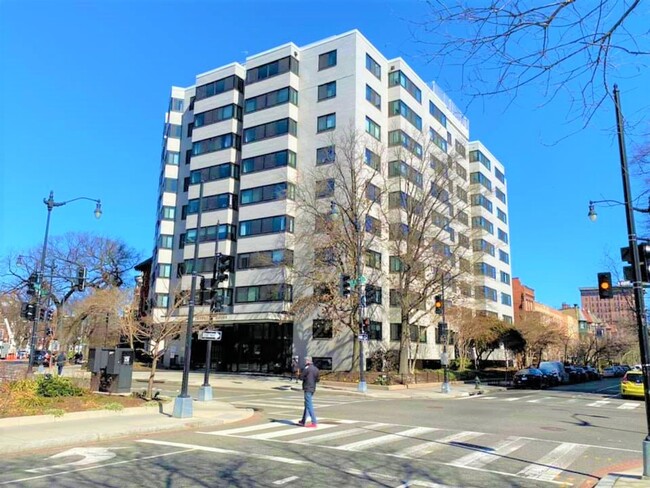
(246, 138)
(524, 298)
(616, 312)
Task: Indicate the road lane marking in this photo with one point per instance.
(217, 450)
(537, 400)
(425, 448)
(512, 399)
(370, 476)
(285, 480)
(385, 439)
(485, 397)
(629, 406)
(599, 403)
(289, 430)
(240, 430)
(481, 458)
(552, 464)
(338, 434)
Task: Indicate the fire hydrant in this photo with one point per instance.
(477, 382)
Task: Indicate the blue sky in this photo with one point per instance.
(85, 86)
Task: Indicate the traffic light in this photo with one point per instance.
(48, 331)
(41, 314)
(345, 286)
(28, 311)
(202, 290)
(222, 265)
(82, 273)
(605, 285)
(49, 314)
(644, 263)
(438, 304)
(32, 281)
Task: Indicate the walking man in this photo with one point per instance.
(310, 376)
(61, 359)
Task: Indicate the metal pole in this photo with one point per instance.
(639, 306)
(205, 392)
(446, 387)
(360, 290)
(183, 402)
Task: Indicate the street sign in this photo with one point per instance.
(210, 335)
(444, 359)
(362, 280)
(363, 337)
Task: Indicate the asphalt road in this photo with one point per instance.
(517, 438)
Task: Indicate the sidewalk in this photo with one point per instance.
(626, 479)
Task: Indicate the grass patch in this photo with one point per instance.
(114, 407)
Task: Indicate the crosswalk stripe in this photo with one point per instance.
(425, 448)
(512, 399)
(385, 439)
(482, 458)
(288, 430)
(629, 406)
(538, 400)
(552, 464)
(279, 405)
(241, 430)
(339, 434)
(599, 403)
(486, 398)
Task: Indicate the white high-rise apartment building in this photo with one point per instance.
(253, 134)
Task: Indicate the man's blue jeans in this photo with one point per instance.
(309, 408)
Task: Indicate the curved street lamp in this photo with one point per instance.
(592, 207)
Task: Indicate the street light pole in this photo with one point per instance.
(183, 402)
(639, 306)
(205, 391)
(446, 387)
(360, 291)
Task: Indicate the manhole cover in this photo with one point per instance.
(553, 429)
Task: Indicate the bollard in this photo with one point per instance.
(477, 382)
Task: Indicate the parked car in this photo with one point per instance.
(557, 366)
(620, 370)
(610, 372)
(40, 357)
(574, 375)
(632, 384)
(584, 375)
(593, 373)
(530, 378)
(552, 375)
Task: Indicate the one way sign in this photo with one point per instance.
(211, 335)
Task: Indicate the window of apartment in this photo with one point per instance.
(209, 234)
(270, 129)
(371, 159)
(268, 225)
(328, 90)
(463, 240)
(502, 216)
(264, 293)
(217, 143)
(220, 86)
(397, 231)
(400, 138)
(190, 129)
(507, 319)
(327, 60)
(164, 270)
(461, 172)
(204, 265)
(478, 156)
(463, 217)
(322, 363)
(213, 202)
(402, 170)
(170, 185)
(484, 269)
(437, 139)
(172, 157)
(461, 194)
(166, 241)
(267, 193)
(439, 193)
(168, 213)
(500, 195)
(175, 131)
(478, 177)
(373, 66)
(325, 188)
(502, 235)
(325, 155)
(188, 156)
(176, 104)
(226, 112)
(373, 193)
(373, 97)
(268, 161)
(265, 259)
(373, 259)
(481, 245)
(479, 200)
(271, 99)
(326, 122)
(373, 128)
(504, 256)
(482, 223)
(418, 334)
(398, 199)
(373, 294)
(505, 278)
(460, 148)
(500, 176)
(398, 78)
(213, 173)
(395, 264)
(375, 331)
(438, 114)
(395, 298)
(486, 293)
(506, 299)
(398, 107)
(321, 329)
(272, 69)
(162, 300)
(373, 226)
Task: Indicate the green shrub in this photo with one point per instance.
(56, 386)
(114, 407)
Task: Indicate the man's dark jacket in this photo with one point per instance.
(310, 376)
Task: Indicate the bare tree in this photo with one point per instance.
(10, 307)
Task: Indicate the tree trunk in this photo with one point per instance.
(404, 346)
(152, 374)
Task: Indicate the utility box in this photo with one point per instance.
(112, 369)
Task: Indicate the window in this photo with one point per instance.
(212, 173)
(507, 319)
(231, 111)
(271, 99)
(502, 216)
(327, 60)
(395, 298)
(400, 138)
(482, 223)
(188, 156)
(326, 122)
(398, 231)
(403, 170)
(204, 265)
(322, 363)
(504, 256)
(328, 90)
(268, 225)
(268, 161)
(373, 128)
(162, 300)
(220, 86)
(461, 194)
(213, 202)
(437, 139)
(172, 157)
(371, 159)
(174, 130)
(500, 195)
(374, 331)
(461, 172)
(373, 294)
(503, 235)
(460, 148)
(267, 193)
(170, 185)
(463, 217)
(500, 176)
(325, 188)
(373, 97)
(486, 293)
(217, 143)
(264, 293)
(270, 129)
(373, 193)
(479, 200)
(272, 69)
(209, 234)
(505, 278)
(437, 114)
(398, 78)
(373, 259)
(168, 213)
(506, 299)
(166, 241)
(373, 226)
(176, 105)
(164, 270)
(395, 264)
(478, 177)
(477, 156)
(463, 240)
(398, 107)
(373, 66)
(321, 329)
(484, 269)
(325, 155)
(481, 245)
(265, 259)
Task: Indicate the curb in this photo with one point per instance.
(87, 414)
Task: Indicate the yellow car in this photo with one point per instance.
(632, 384)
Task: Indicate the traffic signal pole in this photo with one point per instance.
(639, 305)
(360, 291)
(205, 391)
(446, 387)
